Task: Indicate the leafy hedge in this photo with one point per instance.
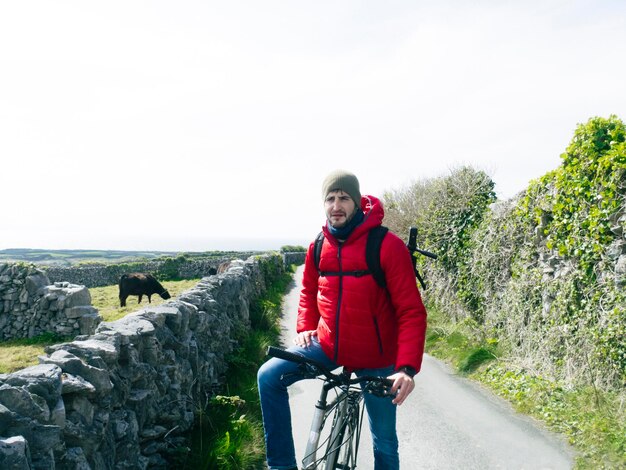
(537, 273)
(292, 249)
(579, 213)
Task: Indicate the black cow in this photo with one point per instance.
(140, 284)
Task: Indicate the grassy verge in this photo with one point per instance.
(229, 432)
(593, 421)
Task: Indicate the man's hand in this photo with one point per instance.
(403, 384)
(304, 338)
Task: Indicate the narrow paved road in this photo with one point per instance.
(447, 423)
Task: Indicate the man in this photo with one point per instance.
(348, 320)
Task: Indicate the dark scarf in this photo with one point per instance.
(344, 232)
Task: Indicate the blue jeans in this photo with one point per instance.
(277, 374)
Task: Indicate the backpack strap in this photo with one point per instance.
(372, 256)
(317, 250)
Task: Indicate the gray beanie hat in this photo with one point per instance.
(344, 181)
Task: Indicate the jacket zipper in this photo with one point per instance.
(338, 304)
(380, 341)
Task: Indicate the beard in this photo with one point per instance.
(349, 217)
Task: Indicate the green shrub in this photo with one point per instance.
(446, 212)
(475, 359)
(292, 249)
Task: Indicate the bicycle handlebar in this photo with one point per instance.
(293, 357)
(426, 253)
(320, 369)
(412, 244)
(412, 247)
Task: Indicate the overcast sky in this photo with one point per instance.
(199, 125)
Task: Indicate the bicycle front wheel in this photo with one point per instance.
(343, 441)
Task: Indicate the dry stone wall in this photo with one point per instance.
(294, 257)
(125, 396)
(30, 305)
(98, 275)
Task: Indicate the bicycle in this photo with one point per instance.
(340, 445)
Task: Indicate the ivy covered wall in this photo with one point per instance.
(542, 274)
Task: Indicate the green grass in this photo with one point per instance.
(593, 421)
(225, 437)
(229, 432)
(20, 353)
(457, 344)
(106, 299)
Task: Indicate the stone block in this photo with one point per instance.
(77, 312)
(43, 380)
(23, 403)
(11, 295)
(94, 347)
(69, 363)
(63, 330)
(77, 296)
(87, 324)
(616, 249)
(36, 282)
(132, 327)
(46, 438)
(81, 406)
(150, 434)
(76, 384)
(15, 453)
(75, 459)
(57, 414)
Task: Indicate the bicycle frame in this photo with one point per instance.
(343, 442)
(346, 410)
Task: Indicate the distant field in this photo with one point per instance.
(72, 257)
(68, 257)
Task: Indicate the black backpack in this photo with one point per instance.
(372, 256)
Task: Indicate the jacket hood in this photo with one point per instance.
(372, 207)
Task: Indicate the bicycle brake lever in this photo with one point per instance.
(381, 390)
(308, 371)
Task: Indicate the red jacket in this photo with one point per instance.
(360, 324)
